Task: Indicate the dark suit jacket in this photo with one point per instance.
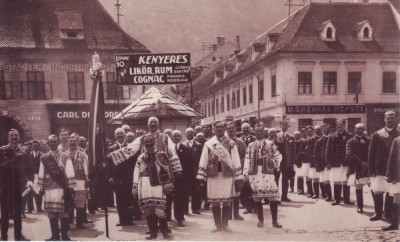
(393, 166)
(379, 149)
(319, 153)
(184, 183)
(298, 153)
(357, 154)
(335, 154)
(248, 140)
(35, 162)
(288, 147)
(196, 150)
(123, 173)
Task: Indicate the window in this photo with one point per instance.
(329, 33)
(354, 82)
(35, 88)
(110, 87)
(76, 87)
(5, 87)
(228, 102)
(222, 104)
(216, 106)
(244, 96)
(273, 85)
(305, 122)
(351, 124)
(366, 33)
(251, 93)
(233, 100)
(238, 98)
(304, 82)
(261, 90)
(72, 34)
(329, 82)
(389, 82)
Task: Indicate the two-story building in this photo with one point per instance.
(46, 50)
(326, 61)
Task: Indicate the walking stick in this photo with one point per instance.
(96, 121)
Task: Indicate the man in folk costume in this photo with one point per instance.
(393, 178)
(272, 136)
(357, 156)
(16, 173)
(286, 166)
(335, 157)
(320, 164)
(378, 153)
(56, 182)
(246, 193)
(152, 180)
(262, 159)
(298, 159)
(220, 167)
(81, 170)
(313, 173)
(241, 146)
(306, 150)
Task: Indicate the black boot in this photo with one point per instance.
(388, 206)
(64, 229)
(395, 218)
(152, 222)
(164, 228)
(259, 209)
(337, 191)
(378, 204)
(217, 218)
(274, 213)
(300, 185)
(323, 191)
(79, 218)
(236, 215)
(360, 200)
(309, 189)
(55, 230)
(316, 190)
(346, 195)
(226, 212)
(328, 191)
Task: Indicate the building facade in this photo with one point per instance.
(322, 63)
(46, 53)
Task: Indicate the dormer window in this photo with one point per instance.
(364, 31)
(72, 34)
(328, 31)
(70, 25)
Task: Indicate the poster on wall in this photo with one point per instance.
(153, 69)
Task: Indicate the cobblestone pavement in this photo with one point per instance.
(302, 219)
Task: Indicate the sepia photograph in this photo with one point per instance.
(189, 120)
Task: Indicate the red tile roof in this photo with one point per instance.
(37, 24)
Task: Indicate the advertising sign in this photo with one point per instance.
(325, 109)
(152, 69)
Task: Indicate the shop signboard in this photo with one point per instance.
(325, 109)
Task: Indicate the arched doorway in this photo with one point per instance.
(7, 123)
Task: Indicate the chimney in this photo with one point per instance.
(215, 47)
(220, 41)
(238, 42)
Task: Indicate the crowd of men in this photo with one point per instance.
(150, 171)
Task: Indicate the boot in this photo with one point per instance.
(388, 206)
(346, 195)
(328, 191)
(217, 218)
(395, 218)
(309, 189)
(337, 191)
(360, 200)
(164, 228)
(226, 211)
(300, 185)
(274, 213)
(316, 190)
(378, 204)
(152, 222)
(323, 191)
(55, 230)
(64, 229)
(259, 209)
(79, 218)
(236, 215)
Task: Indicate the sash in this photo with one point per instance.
(55, 172)
(160, 171)
(220, 150)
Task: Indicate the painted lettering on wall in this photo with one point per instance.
(83, 114)
(51, 67)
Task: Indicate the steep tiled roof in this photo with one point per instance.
(301, 33)
(37, 24)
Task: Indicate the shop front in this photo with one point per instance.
(376, 112)
(75, 118)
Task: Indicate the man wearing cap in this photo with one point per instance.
(335, 157)
(378, 154)
(306, 151)
(313, 173)
(220, 167)
(320, 164)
